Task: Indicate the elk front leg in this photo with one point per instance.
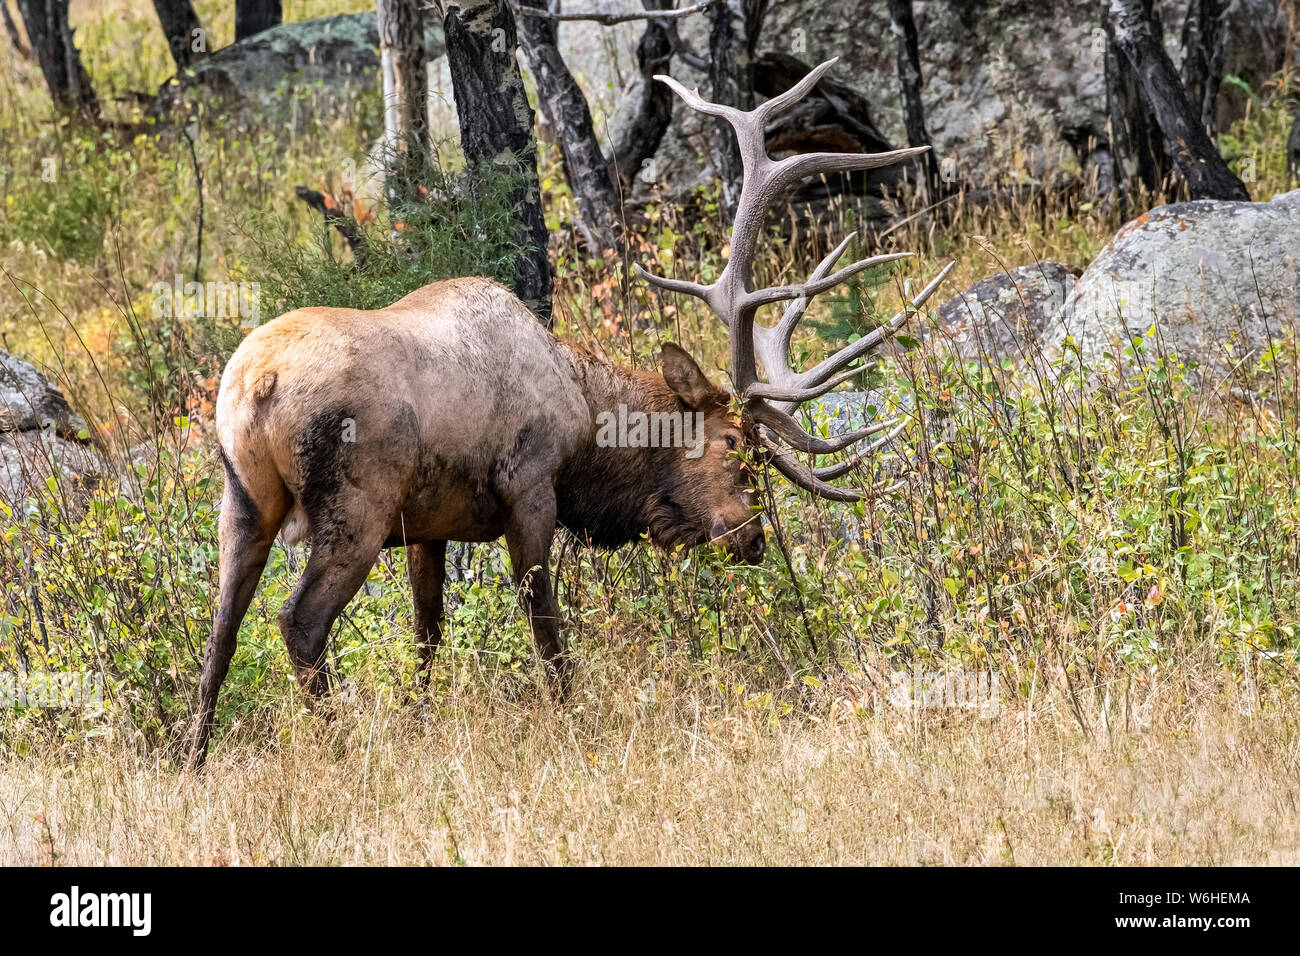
(528, 537)
(426, 564)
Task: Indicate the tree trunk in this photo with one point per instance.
(179, 21)
(51, 37)
(1136, 149)
(1203, 44)
(903, 25)
(652, 113)
(585, 165)
(732, 40)
(1194, 154)
(11, 28)
(1293, 144)
(406, 79)
(496, 126)
(254, 16)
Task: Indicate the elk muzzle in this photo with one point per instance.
(745, 543)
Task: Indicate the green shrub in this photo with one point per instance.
(438, 225)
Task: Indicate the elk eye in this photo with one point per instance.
(731, 442)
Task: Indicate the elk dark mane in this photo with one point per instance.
(609, 497)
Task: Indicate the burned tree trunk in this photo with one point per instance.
(903, 25)
(585, 165)
(1203, 52)
(254, 16)
(51, 37)
(1136, 149)
(180, 25)
(405, 77)
(1131, 26)
(652, 113)
(496, 126)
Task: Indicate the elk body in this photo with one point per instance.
(453, 415)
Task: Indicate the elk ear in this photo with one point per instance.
(685, 378)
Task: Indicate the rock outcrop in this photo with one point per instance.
(330, 57)
(1003, 317)
(1217, 280)
(40, 436)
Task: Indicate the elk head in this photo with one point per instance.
(713, 487)
(767, 420)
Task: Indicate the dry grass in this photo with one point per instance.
(695, 777)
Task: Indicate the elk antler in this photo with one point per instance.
(768, 405)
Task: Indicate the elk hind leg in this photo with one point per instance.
(246, 532)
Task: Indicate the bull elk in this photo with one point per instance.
(454, 415)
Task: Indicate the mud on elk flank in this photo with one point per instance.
(470, 421)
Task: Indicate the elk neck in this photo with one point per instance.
(609, 496)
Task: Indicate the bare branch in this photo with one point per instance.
(610, 19)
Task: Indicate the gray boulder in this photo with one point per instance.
(28, 459)
(331, 56)
(1218, 280)
(28, 402)
(38, 434)
(1001, 318)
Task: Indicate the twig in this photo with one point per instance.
(198, 178)
(346, 226)
(610, 19)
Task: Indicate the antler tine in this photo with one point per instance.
(792, 433)
(772, 344)
(807, 479)
(790, 170)
(779, 293)
(862, 346)
(793, 394)
(860, 456)
(684, 286)
(779, 104)
(698, 103)
(790, 387)
(795, 310)
(802, 475)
